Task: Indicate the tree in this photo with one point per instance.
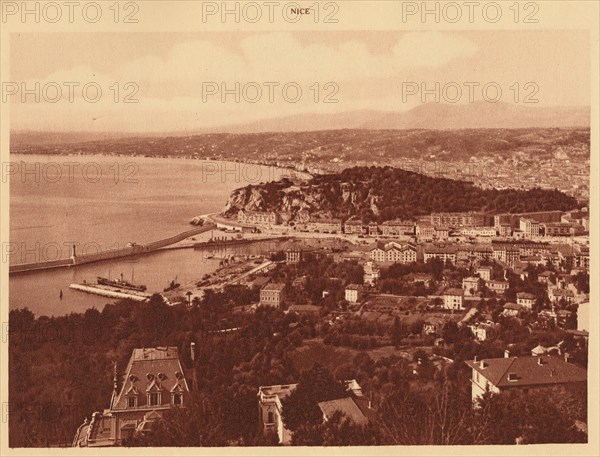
(450, 331)
(436, 416)
(338, 430)
(301, 406)
(528, 418)
(396, 332)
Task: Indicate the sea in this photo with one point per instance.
(97, 202)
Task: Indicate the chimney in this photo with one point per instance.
(540, 361)
(371, 400)
(482, 365)
(475, 359)
(506, 354)
(193, 351)
(567, 357)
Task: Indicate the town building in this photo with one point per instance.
(504, 230)
(484, 331)
(394, 252)
(505, 254)
(324, 225)
(529, 372)
(545, 277)
(514, 219)
(474, 252)
(272, 294)
(424, 230)
(557, 229)
(530, 228)
(485, 273)
(293, 255)
(460, 219)
(154, 382)
(441, 233)
(512, 310)
(397, 228)
(372, 273)
(353, 227)
(470, 285)
(270, 410)
(556, 295)
(372, 229)
(582, 258)
(353, 293)
(445, 253)
(453, 299)
(479, 231)
(497, 286)
(526, 299)
(258, 217)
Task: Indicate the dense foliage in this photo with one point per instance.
(386, 193)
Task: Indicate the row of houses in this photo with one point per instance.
(394, 252)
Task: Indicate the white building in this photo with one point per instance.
(453, 299)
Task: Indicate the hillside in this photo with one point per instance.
(385, 193)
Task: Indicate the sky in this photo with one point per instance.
(163, 82)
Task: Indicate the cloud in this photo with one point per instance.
(283, 57)
(431, 49)
(170, 85)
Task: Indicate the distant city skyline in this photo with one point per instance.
(369, 71)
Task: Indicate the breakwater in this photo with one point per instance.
(127, 251)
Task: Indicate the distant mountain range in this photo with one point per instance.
(436, 116)
(431, 116)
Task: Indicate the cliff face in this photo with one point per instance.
(324, 201)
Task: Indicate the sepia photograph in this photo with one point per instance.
(279, 226)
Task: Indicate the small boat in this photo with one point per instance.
(172, 285)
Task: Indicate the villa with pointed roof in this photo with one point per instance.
(154, 382)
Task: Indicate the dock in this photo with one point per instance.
(110, 292)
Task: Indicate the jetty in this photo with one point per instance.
(130, 250)
(106, 291)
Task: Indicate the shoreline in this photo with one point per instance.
(301, 174)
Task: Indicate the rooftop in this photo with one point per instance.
(274, 286)
(151, 368)
(347, 406)
(525, 295)
(454, 292)
(280, 390)
(529, 371)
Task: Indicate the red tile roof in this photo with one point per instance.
(553, 370)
